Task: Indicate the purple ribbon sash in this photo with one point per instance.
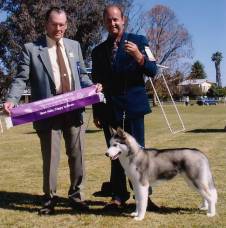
(56, 105)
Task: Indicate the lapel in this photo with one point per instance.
(107, 51)
(121, 54)
(71, 57)
(44, 56)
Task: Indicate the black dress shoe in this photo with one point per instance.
(48, 206)
(106, 190)
(78, 204)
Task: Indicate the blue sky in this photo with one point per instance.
(206, 22)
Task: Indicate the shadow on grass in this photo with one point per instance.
(32, 203)
(177, 210)
(31, 133)
(93, 131)
(166, 210)
(126, 211)
(19, 201)
(207, 131)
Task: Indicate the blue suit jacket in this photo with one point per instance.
(35, 68)
(123, 82)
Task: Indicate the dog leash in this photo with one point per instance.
(125, 92)
(123, 120)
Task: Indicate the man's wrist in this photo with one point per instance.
(140, 60)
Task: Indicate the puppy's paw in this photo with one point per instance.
(134, 214)
(211, 214)
(203, 208)
(139, 218)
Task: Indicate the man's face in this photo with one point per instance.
(114, 21)
(56, 25)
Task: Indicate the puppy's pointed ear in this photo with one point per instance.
(121, 133)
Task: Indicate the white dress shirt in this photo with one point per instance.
(54, 64)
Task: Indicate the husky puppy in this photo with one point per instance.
(143, 167)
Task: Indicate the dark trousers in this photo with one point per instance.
(135, 127)
(73, 133)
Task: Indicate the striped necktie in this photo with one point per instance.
(64, 77)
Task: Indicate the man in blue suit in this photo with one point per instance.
(46, 64)
(119, 64)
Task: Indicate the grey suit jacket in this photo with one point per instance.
(35, 67)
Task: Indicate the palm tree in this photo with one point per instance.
(216, 58)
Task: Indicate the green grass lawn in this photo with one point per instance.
(21, 175)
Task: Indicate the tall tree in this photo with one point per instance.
(197, 71)
(216, 58)
(169, 40)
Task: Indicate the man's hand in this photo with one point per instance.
(132, 49)
(99, 87)
(7, 106)
(97, 123)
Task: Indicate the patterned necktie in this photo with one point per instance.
(64, 77)
(114, 51)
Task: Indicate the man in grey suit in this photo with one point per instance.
(41, 65)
